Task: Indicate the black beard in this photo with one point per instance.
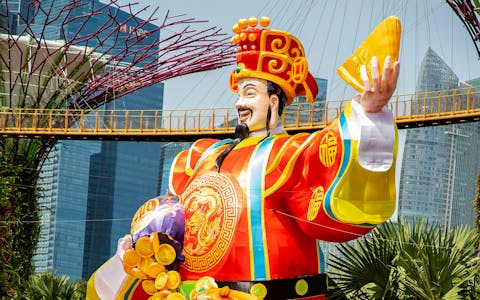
(241, 132)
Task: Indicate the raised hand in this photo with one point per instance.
(377, 95)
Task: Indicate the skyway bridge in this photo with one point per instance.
(410, 111)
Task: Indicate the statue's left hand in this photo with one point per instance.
(123, 245)
(377, 95)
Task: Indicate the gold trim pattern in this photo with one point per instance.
(211, 205)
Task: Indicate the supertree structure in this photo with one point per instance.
(469, 13)
(50, 60)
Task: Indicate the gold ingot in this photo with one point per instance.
(154, 268)
(149, 287)
(161, 281)
(383, 41)
(154, 240)
(176, 296)
(144, 247)
(131, 258)
(173, 279)
(166, 254)
(205, 283)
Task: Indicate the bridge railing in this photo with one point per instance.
(427, 107)
(407, 109)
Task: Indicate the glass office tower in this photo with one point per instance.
(14, 14)
(92, 189)
(440, 163)
(301, 111)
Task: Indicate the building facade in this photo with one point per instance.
(440, 163)
(93, 188)
(301, 111)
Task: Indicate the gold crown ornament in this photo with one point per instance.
(273, 55)
(383, 41)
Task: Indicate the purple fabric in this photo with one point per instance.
(168, 220)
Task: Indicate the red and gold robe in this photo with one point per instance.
(261, 216)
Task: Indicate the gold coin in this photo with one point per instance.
(127, 269)
(158, 296)
(144, 247)
(175, 296)
(145, 264)
(137, 273)
(154, 268)
(166, 254)
(173, 279)
(155, 241)
(149, 287)
(131, 258)
(161, 281)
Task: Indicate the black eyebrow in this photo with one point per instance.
(249, 84)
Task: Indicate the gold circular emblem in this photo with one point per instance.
(328, 149)
(212, 204)
(259, 290)
(301, 287)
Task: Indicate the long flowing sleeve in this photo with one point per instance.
(345, 176)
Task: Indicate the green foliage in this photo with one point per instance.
(477, 6)
(19, 226)
(477, 204)
(401, 261)
(48, 286)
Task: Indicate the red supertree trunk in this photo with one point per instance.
(469, 14)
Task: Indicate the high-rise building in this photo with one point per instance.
(13, 14)
(440, 163)
(168, 153)
(93, 188)
(301, 112)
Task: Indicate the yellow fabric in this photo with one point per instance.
(382, 42)
(362, 196)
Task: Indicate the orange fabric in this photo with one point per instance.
(290, 242)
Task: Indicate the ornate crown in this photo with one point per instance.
(273, 55)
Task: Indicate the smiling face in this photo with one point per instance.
(253, 103)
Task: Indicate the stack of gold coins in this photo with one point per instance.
(148, 260)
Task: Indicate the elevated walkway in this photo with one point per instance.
(410, 111)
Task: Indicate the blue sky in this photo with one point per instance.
(330, 31)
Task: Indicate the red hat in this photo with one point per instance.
(273, 55)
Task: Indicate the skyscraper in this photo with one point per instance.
(93, 188)
(168, 153)
(440, 163)
(301, 111)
